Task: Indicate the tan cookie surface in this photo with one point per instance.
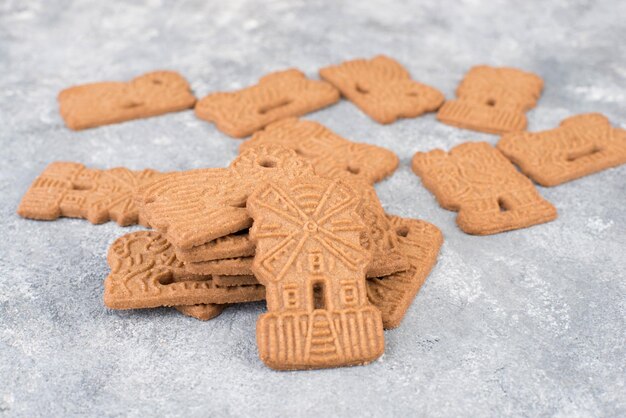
(393, 294)
(379, 238)
(382, 88)
(145, 273)
(203, 312)
(277, 96)
(75, 191)
(237, 266)
(581, 145)
(195, 207)
(235, 280)
(310, 259)
(229, 246)
(150, 94)
(492, 100)
(486, 190)
(331, 155)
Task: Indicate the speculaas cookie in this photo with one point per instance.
(235, 280)
(150, 94)
(382, 88)
(476, 180)
(229, 246)
(379, 238)
(310, 259)
(72, 190)
(236, 266)
(145, 273)
(492, 100)
(195, 207)
(581, 145)
(393, 294)
(278, 95)
(203, 312)
(331, 155)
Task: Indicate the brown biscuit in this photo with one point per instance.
(195, 207)
(379, 238)
(476, 180)
(203, 312)
(581, 145)
(382, 88)
(492, 100)
(229, 246)
(145, 273)
(309, 257)
(277, 96)
(238, 266)
(72, 190)
(234, 280)
(393, 294)
(331, 155)
(151, 94)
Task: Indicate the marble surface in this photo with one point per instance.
(526, 323)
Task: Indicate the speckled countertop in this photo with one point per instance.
(526, 323)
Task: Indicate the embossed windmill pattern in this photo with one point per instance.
(310, 259)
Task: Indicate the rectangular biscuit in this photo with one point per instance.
(150, 94)
(145, 273)
(492, 100)
(331, 155)
(277, 96)
(382, 88)
(581, 145)
(75, 191)
(393, 294)
(229, 246)
(486, 190)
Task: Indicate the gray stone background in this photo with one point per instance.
(525, 323)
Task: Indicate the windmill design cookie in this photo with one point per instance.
(311, 262)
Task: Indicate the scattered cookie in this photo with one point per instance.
(393, 294)
(581, 145)
(203, 312)
(331, 155)
(72, 190)
(382, 88)
(151, 94)
(490, 195)
(309, 257)
(145, 273)
(277, 96)
(229, 246)
(492, 100)
(195, 207)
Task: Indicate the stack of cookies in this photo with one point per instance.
(312, 244)
(294, 219)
